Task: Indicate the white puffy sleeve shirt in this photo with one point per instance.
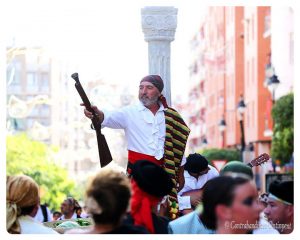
(191, 183)
(144, 131)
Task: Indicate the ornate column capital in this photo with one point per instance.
(159, 23)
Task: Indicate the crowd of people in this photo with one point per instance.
(162, 192)
(229, 203)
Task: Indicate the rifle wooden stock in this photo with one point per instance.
(103, 149)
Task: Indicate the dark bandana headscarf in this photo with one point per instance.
(155, 80)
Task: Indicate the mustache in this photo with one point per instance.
(144, 96)
(147, 101)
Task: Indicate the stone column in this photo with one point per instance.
(159, 25)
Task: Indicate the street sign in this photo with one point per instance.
(218, 164)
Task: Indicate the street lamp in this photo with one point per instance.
(222, 127)
(272, 84)
(204, 142)
(269, 72)
(241, 109)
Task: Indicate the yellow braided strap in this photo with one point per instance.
(177, 134)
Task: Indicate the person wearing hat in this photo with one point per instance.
(197, 172)
(149, 183)
(153, 130)
(237, 167)
(280, 206)
(192, 224)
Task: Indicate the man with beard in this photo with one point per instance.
(154, 131)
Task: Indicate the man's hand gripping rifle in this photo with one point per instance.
(104, 152)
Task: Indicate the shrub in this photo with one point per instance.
(283, 132)
(218, 154)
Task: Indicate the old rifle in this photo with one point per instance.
(103, 149)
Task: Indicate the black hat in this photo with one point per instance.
(152, 178)
(283, 190)
(195, 163)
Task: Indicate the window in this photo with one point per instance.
(19, 124)
(45, 110)
(45, 121)
(247, 30)
(253, 69)
(30, 122)
(44, 82)
(248, 117)
(34, 112)
(267, 23)
(14, 77)
(32, 83)
(253, 26)
(247, 73)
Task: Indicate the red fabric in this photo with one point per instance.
(141, 205)
(135, 156)
(163, 101)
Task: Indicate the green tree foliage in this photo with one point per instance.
(24, 156)
(218, 154)
(283, 132)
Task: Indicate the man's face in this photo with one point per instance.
(275, 211)
(56, 216)
(148, 94)
(66, 207)
(197, 175)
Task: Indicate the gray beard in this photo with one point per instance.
(148, 101)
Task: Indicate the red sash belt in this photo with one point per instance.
(135, 156)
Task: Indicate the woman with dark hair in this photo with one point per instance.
(230, 205)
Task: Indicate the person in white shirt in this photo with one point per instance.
(30, 226)
(153, 131)
(22, 202)
(68, 209)
(192, 224)
(197, 172)
(43, 214)
(144, 123)
(80, 212)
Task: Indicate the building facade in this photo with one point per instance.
(241, 47)
(43, 102)
(29, 88)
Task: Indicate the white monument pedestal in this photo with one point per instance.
(159, 25)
